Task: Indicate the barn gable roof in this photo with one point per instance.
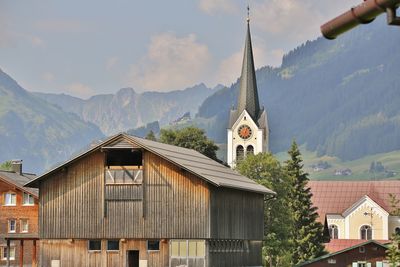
(188, 159)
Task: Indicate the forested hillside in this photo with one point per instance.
(37, 132)
(340, 97)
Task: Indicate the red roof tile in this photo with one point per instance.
(339, 244)
(334, 197)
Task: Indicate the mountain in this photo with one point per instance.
(128, 109)
(339, 98)
(37, 132)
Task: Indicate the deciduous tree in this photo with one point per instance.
(266, 170)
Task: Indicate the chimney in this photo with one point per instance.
(17, 166)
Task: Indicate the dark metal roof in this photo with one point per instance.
(188, 159)
(19, 181)
(248, 93)
(326, 256)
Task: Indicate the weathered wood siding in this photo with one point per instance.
(75, 253)
(171, 203)
(236, 214)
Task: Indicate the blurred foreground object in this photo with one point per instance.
(364, 13)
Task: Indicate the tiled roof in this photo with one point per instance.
(336, 245)
(334, 197)
(19, 180)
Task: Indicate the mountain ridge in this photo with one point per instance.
(36, 131)
(127, 109)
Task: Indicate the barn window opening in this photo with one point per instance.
(124, 166)
(113, 245)
(94, 245)
(124, 157)
(153, 245)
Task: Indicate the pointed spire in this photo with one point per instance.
(248, 94)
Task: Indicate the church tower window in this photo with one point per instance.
(250, 150)
(239, 153)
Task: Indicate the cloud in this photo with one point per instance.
(36, 41)
(230, 68)
(48, 76)
(171, 63)
(296, 20)
(80, 90)
(213, 6)
(111, 62)
(60, 26)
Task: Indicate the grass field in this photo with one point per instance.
(359, 168)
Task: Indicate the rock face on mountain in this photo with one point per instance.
(127, 109)
(37, 132)
(339, 97)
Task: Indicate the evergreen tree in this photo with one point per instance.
(151, 136)
(266, 170)
(307, 236)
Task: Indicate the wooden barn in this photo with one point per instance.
(135, 202)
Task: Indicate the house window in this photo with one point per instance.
(250, 150)
(361, 249)
(94, 245)
(153, 245)
(239, 153)
(366, 232)
(4, 252)
(113, 245)
(28, 200)
(24, 226)
(331, 261)
(10, 199)
(397, 230)
(12, 225)
(333, 231)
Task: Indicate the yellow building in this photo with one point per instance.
(357, 210)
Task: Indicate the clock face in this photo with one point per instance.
(244, 132)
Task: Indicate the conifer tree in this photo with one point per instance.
(307, 236)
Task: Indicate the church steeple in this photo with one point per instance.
(248, 131)
(248, 94)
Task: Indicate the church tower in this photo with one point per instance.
(248, 131)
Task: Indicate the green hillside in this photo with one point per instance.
(360, 168)
(37, 132)
(340, 98)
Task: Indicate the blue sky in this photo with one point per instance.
(92, 47)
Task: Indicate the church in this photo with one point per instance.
(248, 131)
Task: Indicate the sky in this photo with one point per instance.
(84, 48)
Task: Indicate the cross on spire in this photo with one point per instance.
(248, 13)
